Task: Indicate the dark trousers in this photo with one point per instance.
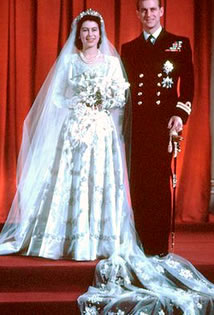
(150, 190)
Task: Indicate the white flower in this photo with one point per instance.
(119, 312)
(145, 276)
(168, 67)
(90, 310)
(199, 305)
(105, 269)
(98, 92)
(172, 263)
(160, 269)
(186, 273)
(167, 82)
(95, 298)
(139, 266)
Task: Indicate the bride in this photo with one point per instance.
(72, 198)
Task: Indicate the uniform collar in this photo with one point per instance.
(155, 34)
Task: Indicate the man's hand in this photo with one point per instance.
(175, 123)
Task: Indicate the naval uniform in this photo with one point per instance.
(162, 83)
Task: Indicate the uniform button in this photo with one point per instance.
(158, 93)
(158, 102)
(139, 103)
(159, 75)
(139, 93)
(141, 75)
(140, 84)
(158, 84)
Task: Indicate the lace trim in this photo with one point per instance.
(100, 237)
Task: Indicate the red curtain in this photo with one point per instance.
(195, 171)
(32, 34)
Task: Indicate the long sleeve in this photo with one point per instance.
(186, 80)
(60, 97)
(119, 84)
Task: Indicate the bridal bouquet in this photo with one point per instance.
(99, 92)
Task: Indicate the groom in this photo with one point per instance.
(160, 71)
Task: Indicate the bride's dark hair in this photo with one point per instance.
(78, 42)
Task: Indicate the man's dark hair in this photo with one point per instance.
(137, 3)
(78, 42)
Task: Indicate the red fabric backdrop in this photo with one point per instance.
(31, 35)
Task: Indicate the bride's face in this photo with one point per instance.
(89, 34)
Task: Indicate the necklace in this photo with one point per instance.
(91, 59)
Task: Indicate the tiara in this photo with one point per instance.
(89, 12)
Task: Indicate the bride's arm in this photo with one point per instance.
(61, 98)
(117, 112)
(119, 86)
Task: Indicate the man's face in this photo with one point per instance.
(149, 14)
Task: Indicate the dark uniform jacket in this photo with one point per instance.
(161, 76)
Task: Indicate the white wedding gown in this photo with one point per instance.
(74, 213)
(78, 207)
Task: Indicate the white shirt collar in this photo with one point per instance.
(155, 34)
